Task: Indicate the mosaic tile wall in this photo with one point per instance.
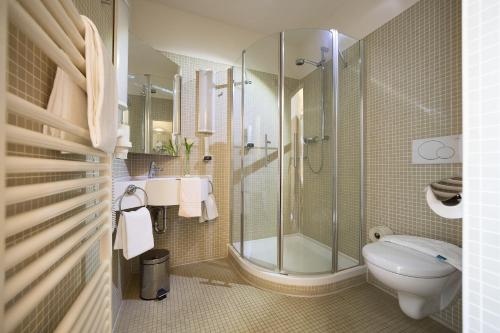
(349, 154)
(413, 91)
(30, 76)
(187, 239)
(317, 192)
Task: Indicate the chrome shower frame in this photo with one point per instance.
(337, 58)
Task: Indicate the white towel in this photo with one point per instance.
(209, 209)
(67, 101)
(134, 233)
(102, 101)
(190, 197)
(446, 252)
(123, 142)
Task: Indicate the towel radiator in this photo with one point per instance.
(44, 253)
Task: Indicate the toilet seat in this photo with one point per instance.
(405, 261)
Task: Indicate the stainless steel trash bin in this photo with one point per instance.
(155, 275)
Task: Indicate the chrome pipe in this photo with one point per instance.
(242, 156)
(295, 149)
(147, 115)
(335, 92)
(281, 107)
(362, 85)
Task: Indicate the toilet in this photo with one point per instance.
(424, 284)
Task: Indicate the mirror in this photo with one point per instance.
(153, 100)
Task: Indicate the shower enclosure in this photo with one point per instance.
(297, 138)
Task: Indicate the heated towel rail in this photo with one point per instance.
(56, 207)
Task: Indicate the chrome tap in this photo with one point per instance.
(153, 168)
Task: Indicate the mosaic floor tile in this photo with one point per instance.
(211, 297)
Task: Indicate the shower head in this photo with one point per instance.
(301, 61)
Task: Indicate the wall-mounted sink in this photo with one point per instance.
(162, 191)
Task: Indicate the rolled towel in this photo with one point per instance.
(447, 189)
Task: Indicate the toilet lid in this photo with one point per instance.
(405, 261)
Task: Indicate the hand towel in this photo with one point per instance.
(209, 209)
(102, 101)
(68, 101)
(190, 197)
(447, 252)
(134, 233)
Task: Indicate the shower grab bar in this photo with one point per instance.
(266, 149)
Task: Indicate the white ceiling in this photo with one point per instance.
(356, 18)
(218, 30)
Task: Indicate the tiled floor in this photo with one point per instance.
(211, 297)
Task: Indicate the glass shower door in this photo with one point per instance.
(308, 152)
(260, 139)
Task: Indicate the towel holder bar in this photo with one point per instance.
(129, 191)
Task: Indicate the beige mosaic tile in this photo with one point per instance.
(211, 297)
(413, 91)
(188, 240)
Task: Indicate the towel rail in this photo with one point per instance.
(30, 273)
(21, 18)
(93, 286)
(74, 15)
(24, 249)
(68, 24)
(83, 317)
(15, 314)
(31, 138)
(42, 15)
(21, 222)
(16, 194)
(57, 29)
(15, 164)
(97, 313)
(27, 109)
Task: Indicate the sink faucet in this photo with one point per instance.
(153, 168)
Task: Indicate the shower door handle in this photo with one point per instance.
(294, 150)
(266, 148)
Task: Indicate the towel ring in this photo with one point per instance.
(129, 191)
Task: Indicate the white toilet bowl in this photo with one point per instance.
(424, 284)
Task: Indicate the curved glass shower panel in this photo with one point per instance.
(260, 155)
(236, 194)
(298, 167)
(308, 152)
(349, 153)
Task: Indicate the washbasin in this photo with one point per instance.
(161, 191)
(164, 191)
